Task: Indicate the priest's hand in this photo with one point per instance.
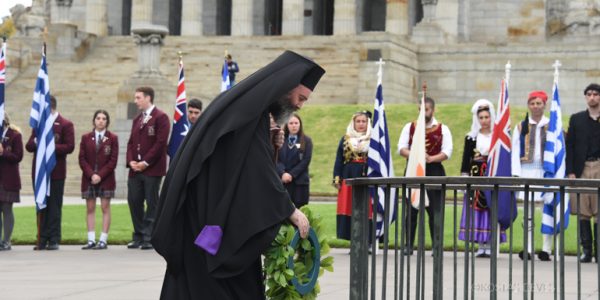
(299, 220)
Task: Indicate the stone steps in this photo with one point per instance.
(83, 87)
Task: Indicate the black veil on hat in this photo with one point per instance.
(212, 178)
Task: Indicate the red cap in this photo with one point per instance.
(538, 94)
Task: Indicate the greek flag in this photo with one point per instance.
(554, 167)
(225, 84)
(41, 121)
(379, 158)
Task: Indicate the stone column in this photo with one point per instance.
(293, 17)
(191, 17)
(396, 20)
(429, 7)
(63, 10)
(141, 13)
(344, 17)
(149, 41)
(96, 19)
(242, 17)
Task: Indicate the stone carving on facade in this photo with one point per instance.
(583, 18)
(28, 21)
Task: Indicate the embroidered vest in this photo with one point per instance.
(433, 138)
(527, 141)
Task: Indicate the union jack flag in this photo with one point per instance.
(180, 120)
(499, 159)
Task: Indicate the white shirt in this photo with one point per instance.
(537, 164)
(100, 134)
(483, 143)
(446, 138)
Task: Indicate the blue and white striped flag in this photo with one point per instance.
(41, 121)
(380, 158)
(554, 167)
(225, 84)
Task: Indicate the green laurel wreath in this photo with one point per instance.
(278, 276)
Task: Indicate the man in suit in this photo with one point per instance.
(64, 140)
(583, 161)
(147, 163)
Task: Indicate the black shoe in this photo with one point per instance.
(4, 246)
(482, 255)
(146, 246)
(52, 246)
(89, 245)
(521, 255)
(544, 256)
(41, 246)
(407, 251)
(585, 258)
(101, 246)
(134, 244)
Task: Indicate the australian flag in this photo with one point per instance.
(499, 159)
(42, 122)
(225, 83)
(180, 120)
(2, 84)
(554, 167)
(380, 158)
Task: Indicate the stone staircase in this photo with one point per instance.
(83, 87)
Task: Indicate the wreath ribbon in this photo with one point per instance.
(313, 274)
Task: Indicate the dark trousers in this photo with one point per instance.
(50, 217)
(141, 187)
(436, 204)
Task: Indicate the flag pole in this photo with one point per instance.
(507, 72)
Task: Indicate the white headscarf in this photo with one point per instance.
(475, 126)
(359, 140)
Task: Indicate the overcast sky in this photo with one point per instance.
(5, 5)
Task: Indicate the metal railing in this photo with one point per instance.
(429, 279)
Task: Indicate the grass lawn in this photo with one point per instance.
(326, 124)
(74, 230)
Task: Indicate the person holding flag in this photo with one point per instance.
(180, 119)
(528, 141)
(476, 205)
(436, 140)
(583, 161)
(63, 140)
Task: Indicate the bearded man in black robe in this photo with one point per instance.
(222, 202)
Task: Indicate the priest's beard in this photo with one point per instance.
(282, 110)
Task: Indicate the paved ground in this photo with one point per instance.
(120, 273)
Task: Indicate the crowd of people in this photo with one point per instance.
(98, 155)
(147, 163)
(528, 140)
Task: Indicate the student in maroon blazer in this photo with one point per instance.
(147, 163)
(98, 155)
(64, 140)
(11, 153)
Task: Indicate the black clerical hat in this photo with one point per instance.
(313, 76)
